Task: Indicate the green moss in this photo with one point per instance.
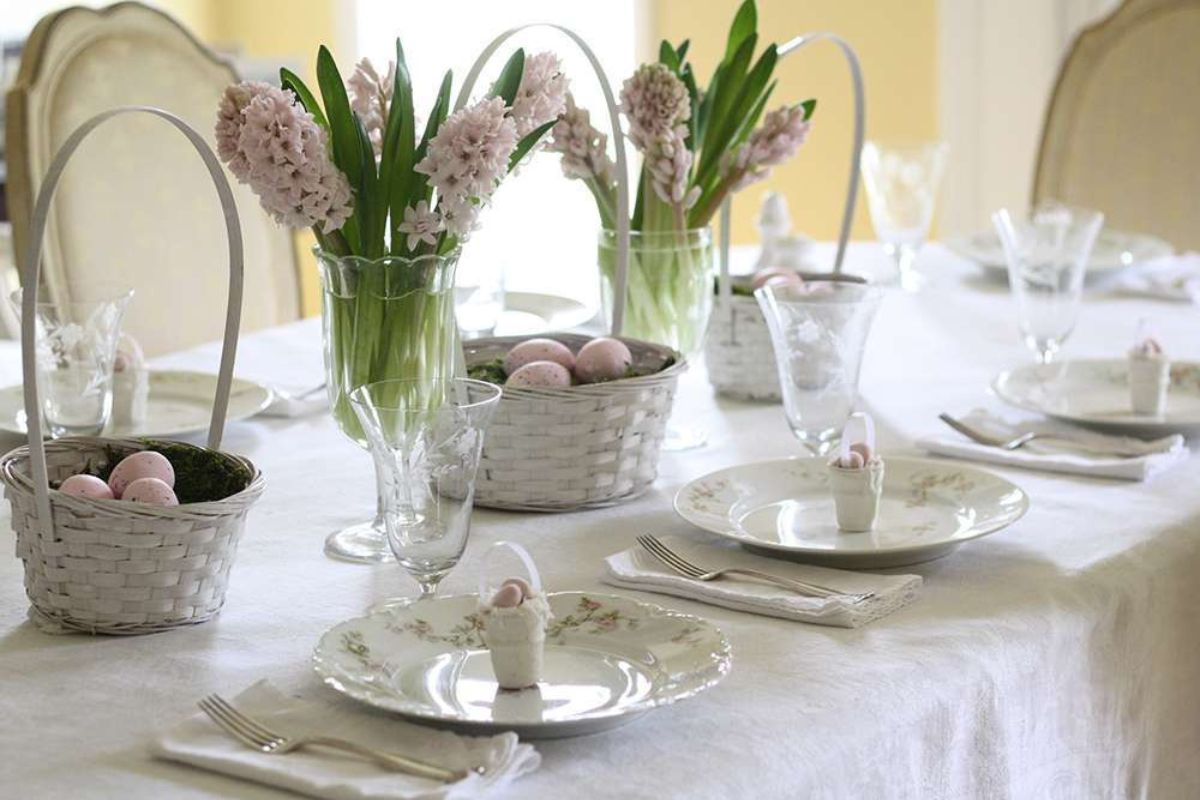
(201, 476)
(490, 371)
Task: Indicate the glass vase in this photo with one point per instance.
(668, 297)
(388, 318)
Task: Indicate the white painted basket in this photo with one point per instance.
(738, 351)
(585, 446)
(106, 566)
(581, 447)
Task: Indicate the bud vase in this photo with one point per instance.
(388, 318)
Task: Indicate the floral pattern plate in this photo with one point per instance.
(180, 402)
(608, 660)
(1095, 393)
(784, 507)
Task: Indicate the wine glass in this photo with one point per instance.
(426, 438)
(902, 185)
(819, 332)
(1047, 255)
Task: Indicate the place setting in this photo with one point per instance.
(500, 543)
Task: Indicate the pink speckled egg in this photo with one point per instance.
(86, 486)
(540, 375)
(526, 591)
(146, 464)
(863, 449)
(532, 350)
(852, 460)
(602, 359)
(775, 276)
(508, 596)
(150, 491)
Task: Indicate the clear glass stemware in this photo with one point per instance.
(76, 345)
(902, 184)
(1047, 256)
(426, 438)
(819, 332)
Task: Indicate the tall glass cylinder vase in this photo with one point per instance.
(668, 298)
(387, 318)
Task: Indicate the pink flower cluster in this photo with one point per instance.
(466, 160)
(584, 149)
(656, 103)
(272, 144)
(371, 98)
(542, 94)
(774, 142)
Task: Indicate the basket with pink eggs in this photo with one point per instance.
(581, 420)
(127, 536)
(737, 351)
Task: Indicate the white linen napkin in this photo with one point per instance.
(284, 404)
(1168, 278)
(637, 569)
(1058, 456)
(327, 774)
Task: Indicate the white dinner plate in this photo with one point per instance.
(784, 507)
(530, 312)
(1095, 393)
(608, 660)
(180, 402)
(1114, 250)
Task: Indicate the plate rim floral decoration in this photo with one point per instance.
(712, 666)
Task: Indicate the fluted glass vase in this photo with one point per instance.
(388, 318)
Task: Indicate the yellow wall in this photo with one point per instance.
(896, 40)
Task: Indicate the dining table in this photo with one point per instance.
(1059, 657)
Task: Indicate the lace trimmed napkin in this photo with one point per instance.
(1058, 456)
(637, 569)
(325, 774)
(1168, 278)
(290, 406)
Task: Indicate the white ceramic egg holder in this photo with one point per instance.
(738, 351)
(107, 566)
(583, 446)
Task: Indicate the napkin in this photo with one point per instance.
(1058, 456)
(1167, 278)
(637, 569)
(327, 774)
(284, 404)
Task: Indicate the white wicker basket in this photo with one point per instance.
(586, 446)
(738, 351)
(107, 566)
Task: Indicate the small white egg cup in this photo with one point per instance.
(856, 494)
(1149, 379)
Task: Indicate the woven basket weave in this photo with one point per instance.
(116, 567)
(582, 447)
(110, 566)
(738, 352)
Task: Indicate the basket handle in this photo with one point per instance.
(31, 276)
(618, 315)
(725, 285)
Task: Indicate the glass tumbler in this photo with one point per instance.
(76, 345)
(1047, 256)
(819, 331)
(426, 438)
(902, 184)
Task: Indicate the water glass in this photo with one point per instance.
(76, 345)
(1047, 255)
(426, 438)
(819, 331)
(902, 185)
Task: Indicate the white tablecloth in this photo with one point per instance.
(1058, 658)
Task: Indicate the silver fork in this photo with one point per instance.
(678, 563)
(257, 736)
(1017, 442)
